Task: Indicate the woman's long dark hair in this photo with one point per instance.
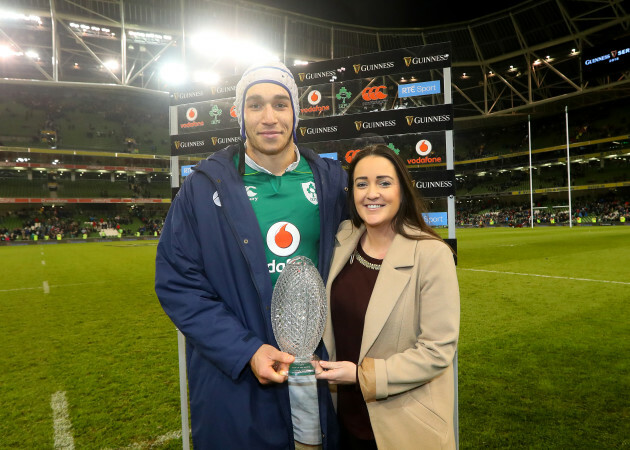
(412, 204)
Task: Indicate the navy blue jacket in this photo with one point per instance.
(213, 282)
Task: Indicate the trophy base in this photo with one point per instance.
(301, 367)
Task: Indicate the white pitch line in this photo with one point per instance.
(158, 442)
(61, 421)
(19, 289)
(46, 287)
(53, 285)
(547, 276)
(43, 262)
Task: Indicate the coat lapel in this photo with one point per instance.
(389, 286)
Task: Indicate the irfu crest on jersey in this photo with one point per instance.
(309, 192)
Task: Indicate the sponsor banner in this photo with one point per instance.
(404, 60)
(392, 122)
(416, 134)
(204, 142)
(82, 200)
(186, 170)
(436, 219)
(434, 183)
(207, 116)
(404, 145)
(193, 93)
(418, 89)
(607, 59)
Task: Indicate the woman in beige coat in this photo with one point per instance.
(393, 315)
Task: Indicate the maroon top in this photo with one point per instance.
(349, 297)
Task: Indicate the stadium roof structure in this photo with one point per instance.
(523, 60)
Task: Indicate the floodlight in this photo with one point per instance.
(212, 45)
(17, 16)
(252, 53)
(32, 54)
(6, 51)
(173, 73)
(112, 64)
(299, 62)
(215, 46)
(205, 77)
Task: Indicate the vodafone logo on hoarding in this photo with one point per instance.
(423, 147)
(191, 117)
(283, 238)
(191, 114)
(314, 97)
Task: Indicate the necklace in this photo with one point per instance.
(364, 262)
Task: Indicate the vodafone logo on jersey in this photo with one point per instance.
(283, 238)
(423, 147)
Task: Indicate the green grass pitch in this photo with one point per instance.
(543, 360)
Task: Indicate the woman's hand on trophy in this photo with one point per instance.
(270, 365)
(338, 372)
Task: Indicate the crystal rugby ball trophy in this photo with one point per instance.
(298, 312)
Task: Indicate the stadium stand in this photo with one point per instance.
(84, 138)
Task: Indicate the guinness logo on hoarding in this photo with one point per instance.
(407, 60)
(613, 53)
(177, 144)
(214, 90)
(358, 124)
(301, 75)
(303, 130)
(357, 68)
(409, 120)
(214, 140)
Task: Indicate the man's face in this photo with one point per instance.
(268, 116)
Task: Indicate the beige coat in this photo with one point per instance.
(409, 341)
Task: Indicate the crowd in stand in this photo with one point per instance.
(59, 224)
(593, 212)
(54, 223)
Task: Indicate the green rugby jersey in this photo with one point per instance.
(288, 214)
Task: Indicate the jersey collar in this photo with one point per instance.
(253, 165)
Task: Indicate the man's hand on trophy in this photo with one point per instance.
(270, 365)
(338, 372)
